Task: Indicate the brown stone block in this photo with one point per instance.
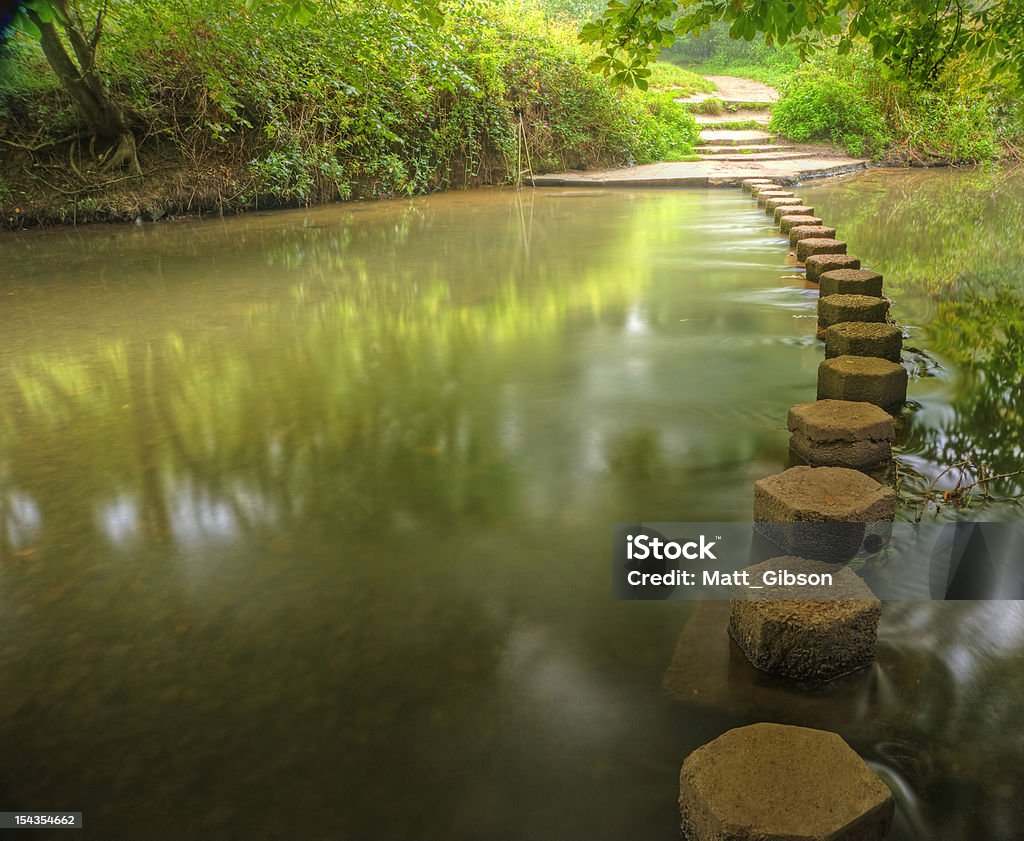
(841, 433)
(787, 223)
(818, 264)
(809, 247)
(853, 338)
(820, 512)
(799, 232)
(793, 210)
(790, 629)
(864, 379)
(772, 205)
(835, 309)
(776, 782)
(850, 282)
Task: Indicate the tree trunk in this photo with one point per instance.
(103, 116)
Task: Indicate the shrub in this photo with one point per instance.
(825, 107)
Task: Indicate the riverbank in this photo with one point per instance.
(233, 112)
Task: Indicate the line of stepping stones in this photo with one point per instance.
(770, 781)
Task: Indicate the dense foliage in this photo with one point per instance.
(368, 99)
(847, 100)
(917, 39)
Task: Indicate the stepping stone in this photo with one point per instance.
(809, 247)
(800, 232)
(850, 282)
(793, 210)
(863, 378)
(856, 338)
(814, 632)
(822, 513)
(835, 309)
(756, 189)
(747, 183)
(841, 433)
(772, 205)
(787, 223)
(764, 195)
(777, 782)
(818, 264)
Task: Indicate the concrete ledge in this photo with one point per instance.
(775, 782)
(862, 379)
(852, 338)
(818, 264)
(799, 232)
(809, 247)
(850, 282)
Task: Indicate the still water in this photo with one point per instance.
(305, 516)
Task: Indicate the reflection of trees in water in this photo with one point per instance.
(951, 250)
(982, 332)
(362, 398)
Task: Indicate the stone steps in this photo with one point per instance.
(757, 156)
(736, 137)
(739, 150)
(733, 119)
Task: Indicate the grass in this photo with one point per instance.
(669, 77)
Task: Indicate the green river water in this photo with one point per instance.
(305, 516)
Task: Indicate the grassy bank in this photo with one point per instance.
(236, 107)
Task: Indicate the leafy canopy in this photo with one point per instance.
(914, 38)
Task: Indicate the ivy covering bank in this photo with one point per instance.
(233, 106)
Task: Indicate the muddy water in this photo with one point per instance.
(304, 516)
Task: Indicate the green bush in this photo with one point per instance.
(368, 100)
(851, 101)
(818, 107)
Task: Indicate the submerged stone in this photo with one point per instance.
(787, 223)
(794, 210)
(853, 338)
(800, 232)
(777, 782)
(809, 247)
(835, 309)
(851, 282)
(862, 378)
(841, 433)
(810, 632)
(818, 264)
(821, 513)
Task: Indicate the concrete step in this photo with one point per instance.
(732, 119)
(759, 156)
(733, 150)
(730, 102)
(741, 137)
